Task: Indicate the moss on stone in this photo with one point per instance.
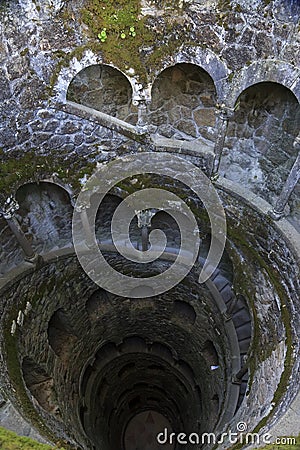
(289, 445)
(261, 354)
(149, 45)
(14, 367)
(11, 441)
(24, 52)
(31, 167)
(132, 41)
(224, 5)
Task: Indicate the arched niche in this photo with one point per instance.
(184, 312)
(259, 150)
(209, 353)
(183, 103)
(45, 214)
(40, 384)
(104, 216)
(165, 222)
(61, 335)
(98, 304)
(263, 71)
(105, 89)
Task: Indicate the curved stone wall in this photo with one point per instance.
(259, 149)
(215, 82)
(83, 333)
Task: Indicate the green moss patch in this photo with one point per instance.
(31, 168)
(288, 443)
(121, 30)
(259, 353)
(11, 441)
(123, 36)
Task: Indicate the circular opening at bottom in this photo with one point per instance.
(142, 431)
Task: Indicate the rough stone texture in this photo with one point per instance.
(105, 89)
(113, 323)
(259, 149)
(275, 254)
(45, 215)
(11, 419)
(183, 101)
(11, 252)
(62, 286)
(233, 52)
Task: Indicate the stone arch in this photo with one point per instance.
(163, 351)
(45, 214)
(125, 369)
(209, 353)
(104, 214)
(163, 221)
(61, 336)
(263, 71)
(98, 304)
(133, 343)
(205, 59)
(76, 65)
(184, 312)
(52, 181)
(106, 350)
(103, 88)
(183, 103)
(40, 384)
(260, 134)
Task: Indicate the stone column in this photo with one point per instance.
(292, 180)
(142, 114)
(144, 222)
(223, 115)
(8, 212)
(87, 231)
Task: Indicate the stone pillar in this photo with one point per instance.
(292, 180)
(141, 99)
(142, 114)
(87, 231)
(223, 115)
(144, 222)
(8, 212)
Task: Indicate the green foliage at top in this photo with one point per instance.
(111, 22)
(122, 33)
(30, 167)
(115, 16)
(11, 441)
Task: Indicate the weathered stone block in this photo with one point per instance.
(204, 117)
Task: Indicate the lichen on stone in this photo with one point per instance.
(132, 40)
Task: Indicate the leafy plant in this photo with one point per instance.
(128, 32)
(132, 31)
(102, 35)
